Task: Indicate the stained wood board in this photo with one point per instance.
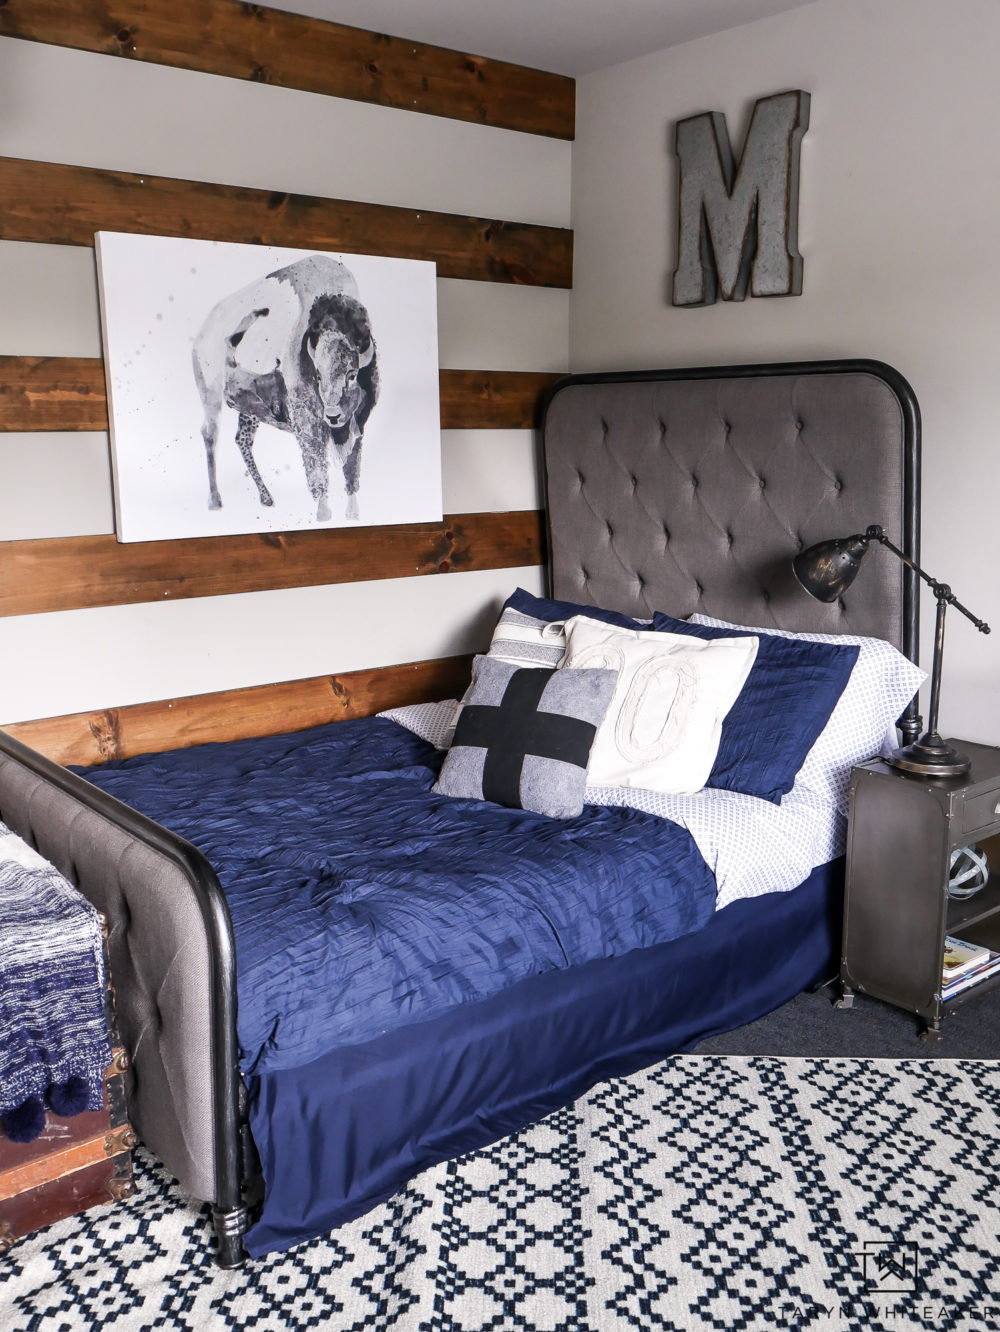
(65, 205)
(248, 41)
(67, 393)
(236, 714)
(72, 573)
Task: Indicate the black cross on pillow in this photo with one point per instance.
(514, 728)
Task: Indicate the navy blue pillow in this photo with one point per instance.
(789, 694)
(544, 608)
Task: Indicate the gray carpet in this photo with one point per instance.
(810, 1026)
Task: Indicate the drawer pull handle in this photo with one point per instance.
(996, 808)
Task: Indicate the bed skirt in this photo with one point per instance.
(343, 1133)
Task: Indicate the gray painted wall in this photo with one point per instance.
(900, 200)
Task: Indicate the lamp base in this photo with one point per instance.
(930, 757)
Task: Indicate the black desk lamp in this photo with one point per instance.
(825, 570)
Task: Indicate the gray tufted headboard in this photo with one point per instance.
(692, 490)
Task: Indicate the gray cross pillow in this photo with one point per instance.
(524, 736)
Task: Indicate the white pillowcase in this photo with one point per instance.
(662, 729)
(527, 641)
(862, 724)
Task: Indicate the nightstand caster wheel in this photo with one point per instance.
(846, 1000)
(930, 1035)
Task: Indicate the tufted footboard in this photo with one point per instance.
(173, 964)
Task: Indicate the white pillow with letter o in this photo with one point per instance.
(661, 731)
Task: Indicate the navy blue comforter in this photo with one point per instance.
(361, 901)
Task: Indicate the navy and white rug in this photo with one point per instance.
(707, 1193)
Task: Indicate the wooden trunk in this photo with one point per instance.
(76, 1163)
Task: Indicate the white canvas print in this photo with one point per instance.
(252, 388)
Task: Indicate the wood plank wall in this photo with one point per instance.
(291, 705)
(69, 393)
(246, 41)
(63, 204)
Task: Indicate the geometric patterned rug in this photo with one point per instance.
(704, 1193)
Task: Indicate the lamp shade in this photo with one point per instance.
(825, 571)
(830, 567)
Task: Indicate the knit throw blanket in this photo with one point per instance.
(54, 1043)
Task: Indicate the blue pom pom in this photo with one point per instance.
(68, 1098)
(25, 1122)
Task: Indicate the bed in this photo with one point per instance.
(675, 502)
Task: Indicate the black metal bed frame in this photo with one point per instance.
(235, 1156)
(232, 1142)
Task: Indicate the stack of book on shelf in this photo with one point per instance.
(965, 964)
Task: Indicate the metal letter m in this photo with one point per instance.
(738, 224)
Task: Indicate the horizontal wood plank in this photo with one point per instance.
(65, 205)
(236, 714)
(493, 399)
(70, 573)
(68, 393)
(248, 41)
(52, 393)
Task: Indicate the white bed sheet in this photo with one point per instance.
(751, 846)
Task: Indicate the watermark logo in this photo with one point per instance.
(890, 1267)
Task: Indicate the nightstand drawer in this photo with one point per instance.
(981, 810)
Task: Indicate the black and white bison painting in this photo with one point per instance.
(245, 382)
(308, 366)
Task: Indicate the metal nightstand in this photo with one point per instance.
(897, 910)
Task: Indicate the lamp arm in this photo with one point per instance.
(942, 591)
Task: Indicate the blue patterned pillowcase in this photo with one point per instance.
(524, 736)
(786, 702)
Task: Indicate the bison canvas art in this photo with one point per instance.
(246, 382)
(313, 372)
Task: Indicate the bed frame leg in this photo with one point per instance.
(229, 1229)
